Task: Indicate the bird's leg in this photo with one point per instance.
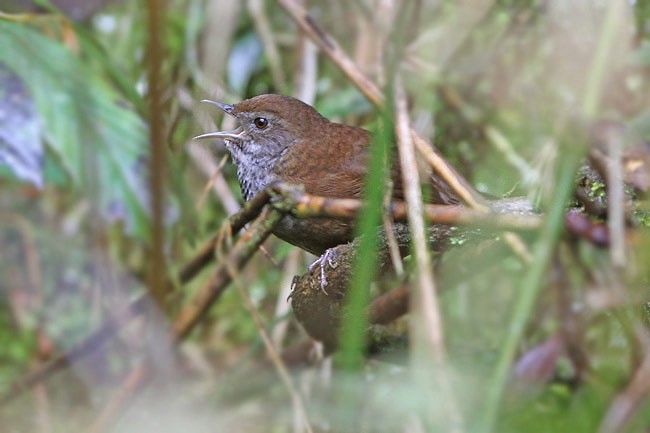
(326, 259)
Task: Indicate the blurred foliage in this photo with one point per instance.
(495, 85)
(100, 143)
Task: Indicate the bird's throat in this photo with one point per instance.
(255, 170)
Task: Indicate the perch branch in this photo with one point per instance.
(506, 214)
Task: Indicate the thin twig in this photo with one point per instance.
(333, 50)
(456, 182)
(518, 246)
(426, 323)
(425, 300)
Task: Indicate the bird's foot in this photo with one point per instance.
(326, 259)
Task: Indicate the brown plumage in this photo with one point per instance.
(283, 139)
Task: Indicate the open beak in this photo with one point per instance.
(235, 135)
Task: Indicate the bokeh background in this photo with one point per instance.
(104, 196)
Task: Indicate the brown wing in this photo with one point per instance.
(345, 182)
(439, 192)
(332, 164)
(337, 168)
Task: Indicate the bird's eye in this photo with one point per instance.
(261, 122)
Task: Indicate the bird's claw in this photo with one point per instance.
(326, 259)
(294, 281)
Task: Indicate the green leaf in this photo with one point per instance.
(100, 142)
(354, 322)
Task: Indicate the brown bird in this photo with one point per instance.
(280, 138)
